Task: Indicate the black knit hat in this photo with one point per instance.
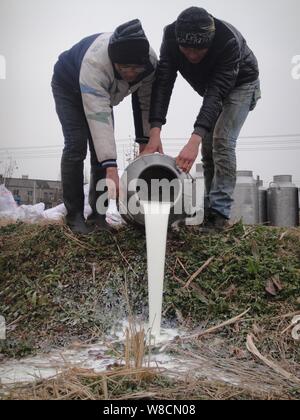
(129, 44)
(195, 28)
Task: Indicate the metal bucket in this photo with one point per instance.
(283, 202)
(152, 170)
(262, 204)
(245, 206)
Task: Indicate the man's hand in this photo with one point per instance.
(155, 144)
(189, 153)
(142, 148)
(112, 182)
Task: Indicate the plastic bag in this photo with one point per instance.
(10, 210)
(56, 213)
(31, 214)
(113, 216)
(8, 206)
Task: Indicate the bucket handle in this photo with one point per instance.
(180, 171)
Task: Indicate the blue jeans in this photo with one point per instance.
(219, 148)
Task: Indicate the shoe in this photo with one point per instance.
(78, 225)
(73, 196)
(214, 222)
(99, 222)
(95, 219)
(207, 216)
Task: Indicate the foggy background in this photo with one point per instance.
(34, 32)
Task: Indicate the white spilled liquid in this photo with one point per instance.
(156, 222)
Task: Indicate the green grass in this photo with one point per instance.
(54, 287)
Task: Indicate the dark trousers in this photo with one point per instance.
(77, 136)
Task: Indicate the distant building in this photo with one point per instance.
(33, 191)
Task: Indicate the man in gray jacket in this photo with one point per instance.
(88, 81)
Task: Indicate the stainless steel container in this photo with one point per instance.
(146, 171)
(245, 206)
(262, 203)
(198, 217)
(283, 202)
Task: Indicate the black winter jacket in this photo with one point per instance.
(228, 63)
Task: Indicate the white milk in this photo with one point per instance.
(156, 222)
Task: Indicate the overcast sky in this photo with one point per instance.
(34, 32)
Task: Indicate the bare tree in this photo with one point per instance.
(9, 167)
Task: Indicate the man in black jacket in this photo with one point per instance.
(216, 61)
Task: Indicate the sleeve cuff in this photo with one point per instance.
(142, 140)
(156, 124)
(200, 131)
(111, 163)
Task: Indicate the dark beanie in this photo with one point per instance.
(129, 44)
(195, 28)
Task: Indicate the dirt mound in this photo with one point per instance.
(55, 286)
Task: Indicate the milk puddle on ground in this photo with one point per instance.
(156, 222)
(95, 356)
